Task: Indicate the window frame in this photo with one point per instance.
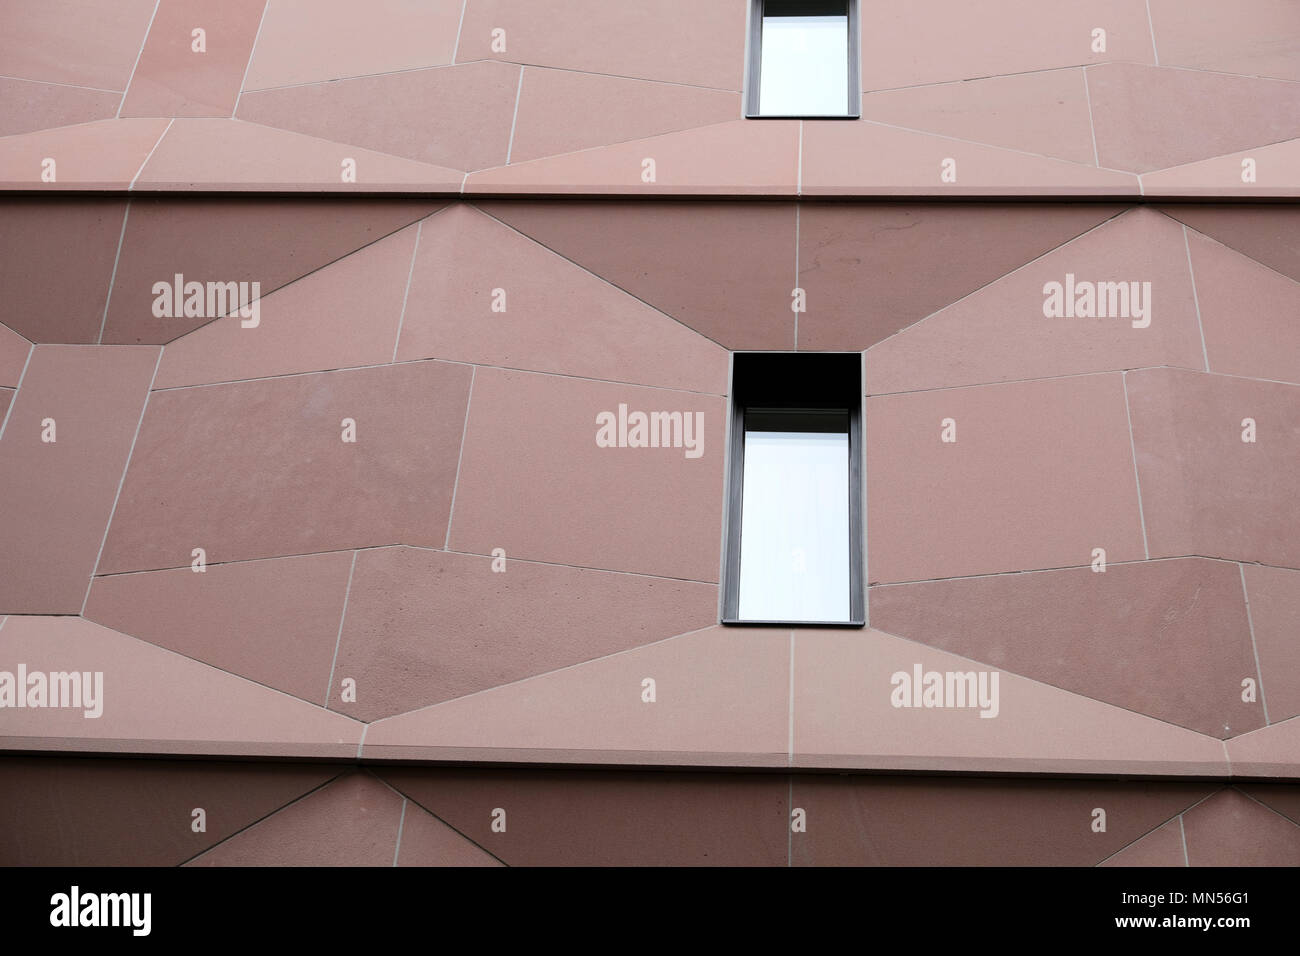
(807, 381)
(754, 67)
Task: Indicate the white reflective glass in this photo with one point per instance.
(794, 540)
(805, 66)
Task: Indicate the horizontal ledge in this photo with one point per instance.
(659, 760)
(406, 191)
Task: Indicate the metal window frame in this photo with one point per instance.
(754, 63)
(805, 381)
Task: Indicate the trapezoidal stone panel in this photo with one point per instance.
(65, 447)
(592, 474)
(304, 463)
(942, 501)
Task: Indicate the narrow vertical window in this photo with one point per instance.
(803, 59)
(794, 542)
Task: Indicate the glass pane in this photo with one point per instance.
(805, 66)
(794, 538)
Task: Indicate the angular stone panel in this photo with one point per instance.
(586, 818)
(173, 79)
(275, 622)
(103, 812)
(424, 627)
(457, 116)
(534, 481)
(480, 292)
(353, 821)
(721, 698)
(939, 509)
(1137, 265)
(270, 241)
(1230, 829)
(260, 469)
(920, 821)
(1248, 312)
(1169, 639)
(56, 269)
(153, 701)
(871, 270)
(344, 314)
(682, 258)
(852, 709)
(1204, 490)
(56, 497)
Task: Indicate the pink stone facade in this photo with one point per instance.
(353, 573)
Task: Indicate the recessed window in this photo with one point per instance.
(794, 507)
(803, 59)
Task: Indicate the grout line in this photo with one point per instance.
(1187, 246)
(789, 812)
(136, 65)
(464, 429)
(1092, 125)
(122, 481)
(338, 639)
(514, 120)
(503, 368)
(790, 753)
(455, 50)
(400, 824)
(798, 180)
(121, 236)
(131, 185)
(1237, 788)
(70, 86)
(1010, 381)
(1259, 673)
(796, 271)
(1137, 481)
(416, 547)
(1070, 66)
(1011, 149)
(249, 65)
(492, 59)
(13, 400)
(1151, 27)
(419, 231)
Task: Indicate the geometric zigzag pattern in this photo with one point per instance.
(1166, 689)
(375, 565)
(319, 815)
(497, 97)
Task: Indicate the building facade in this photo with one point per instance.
(330, 534)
